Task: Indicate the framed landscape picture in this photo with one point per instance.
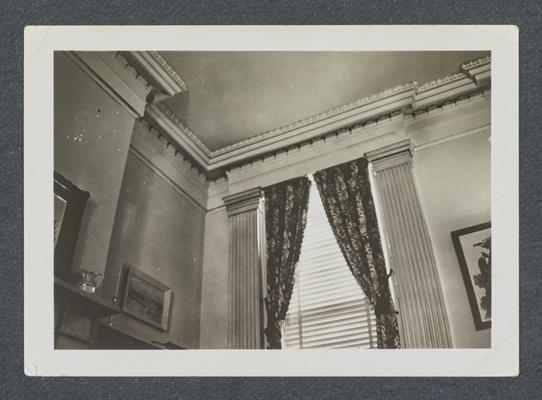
(146, 298)
(473, 249)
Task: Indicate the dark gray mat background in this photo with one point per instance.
(15, 15)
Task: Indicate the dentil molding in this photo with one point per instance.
(413, 100)
(164, 79)
(117, 77)
(133, 78)
(139, 80)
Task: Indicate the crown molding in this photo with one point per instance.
(367, 103)
(154, 151)
(442, 89)
(359, 112)
(184, 130)
(171, 147)
(478, 70)
(171, 74)
(164, 79)
(117, 77)
(161, 117)
(454, 102)
(412, 100)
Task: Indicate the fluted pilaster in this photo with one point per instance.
(246, 270)
(422, 313)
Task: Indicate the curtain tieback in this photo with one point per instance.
(382, 299)
(384, 287)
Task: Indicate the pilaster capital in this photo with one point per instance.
(390, 156)
(244, 201)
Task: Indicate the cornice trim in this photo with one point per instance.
(478, 70)
(137, 153)
(165, 80)
(284, 130)
(441, 81)
(455, 136)
(162, 117)
(412, 100)
(169, 71)
(185, 130)
(113, 73)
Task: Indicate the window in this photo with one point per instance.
(328, 309)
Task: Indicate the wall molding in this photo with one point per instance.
(453, 136)
(174, 150)
(118, 79)
(414, 101)
(164, 176)
(335, 147)
(149, 148)
(163, 117)
(373, 102)
(130, 77)
(164, 79)
(133, 78)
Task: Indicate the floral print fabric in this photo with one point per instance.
(345, 191)
(285, 218)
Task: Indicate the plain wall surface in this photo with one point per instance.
(453, 182)
(159, 231)
(215, 291)
(92, 137)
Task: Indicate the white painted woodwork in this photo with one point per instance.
(112, 72)
(410, 100)
(153, 151)
(165, 79)
(246, 271)
(422, 313)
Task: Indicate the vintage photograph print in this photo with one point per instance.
(294, 201)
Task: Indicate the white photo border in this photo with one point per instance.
(40, 357)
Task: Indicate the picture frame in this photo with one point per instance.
(473, 249)
(69, 204)
(146, 298)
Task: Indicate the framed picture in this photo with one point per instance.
(146, 299)
(69, 205)
(473, 248)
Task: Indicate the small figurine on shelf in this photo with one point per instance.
(88, 281)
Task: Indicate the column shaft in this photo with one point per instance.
(246, 270)
(423, 317)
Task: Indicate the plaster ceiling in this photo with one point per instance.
(233, 96)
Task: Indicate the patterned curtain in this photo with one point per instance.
(345, 191)
(285, 217)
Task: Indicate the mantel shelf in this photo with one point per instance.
(113, 337)
(88, 304)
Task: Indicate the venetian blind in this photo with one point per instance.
(328, 308)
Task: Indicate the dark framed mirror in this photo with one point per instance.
(69, 205)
